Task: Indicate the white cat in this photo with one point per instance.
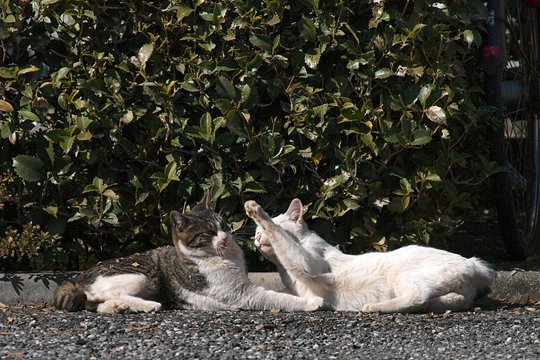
(410, 279)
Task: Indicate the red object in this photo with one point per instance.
(490, 51)
(532, 3)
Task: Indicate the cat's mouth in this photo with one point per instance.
(223, 245)
(261, 245)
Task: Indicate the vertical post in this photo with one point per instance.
(493, 58)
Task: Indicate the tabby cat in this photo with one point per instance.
(204, 270)
(410, 279)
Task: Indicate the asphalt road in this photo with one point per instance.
(38, 332)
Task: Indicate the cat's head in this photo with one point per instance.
(201, 232)
(291, 221)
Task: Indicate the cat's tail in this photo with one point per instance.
(70, 296)
(484, 276)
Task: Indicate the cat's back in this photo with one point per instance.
(428, 260)
(138, 263)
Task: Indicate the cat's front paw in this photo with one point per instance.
(315, 303)
(253, 210)
(367, 308)
(112, 307)
(150, 306)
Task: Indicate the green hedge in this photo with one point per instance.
(113, 113)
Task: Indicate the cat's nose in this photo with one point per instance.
(258, 237)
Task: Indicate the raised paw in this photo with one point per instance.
(254, 210)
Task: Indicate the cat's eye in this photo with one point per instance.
(198, 240)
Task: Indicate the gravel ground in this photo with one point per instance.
(38, 332)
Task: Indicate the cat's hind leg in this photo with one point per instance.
(454, 301)
(408, 298)
(128, 303)
(422, 302)
(122, 292)
(399, 304)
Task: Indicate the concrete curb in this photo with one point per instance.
(514, 287)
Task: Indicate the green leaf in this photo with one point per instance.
(182, 11)
(29, 168)
(145, 52)
(261, 41)
(436, 114)
(468, 35)
(110, 218)
(312, 5)
(7, 130)
(163, 179)
(170, 171)
(312, 60)
(405, 201)
(144, 55)
(368, 140)
(206, 126)
(5, 106)
(405, 185)
(51, 210)
(383, 73)
(433, 177)
(425, 91)
(421, 137)
(29, 115)
(110, 194)
(62, 137)
(10, 19)
(225, 88)
(274, 20)
(59, 75)
(28, 69)
(307, 29)
(8, 72)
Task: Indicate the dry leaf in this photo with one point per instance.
(83, 325)
(515, 271)
(275, 311)
(3, 306)
(151, 340)
(143, 326)
(47, 309)
(135, 264)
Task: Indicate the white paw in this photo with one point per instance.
(151, 306)
(315, 303)
(112, 307)
(367, 308)
(252, 209)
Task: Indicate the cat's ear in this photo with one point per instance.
(295, 212)
(206, 201)
(178, 220)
